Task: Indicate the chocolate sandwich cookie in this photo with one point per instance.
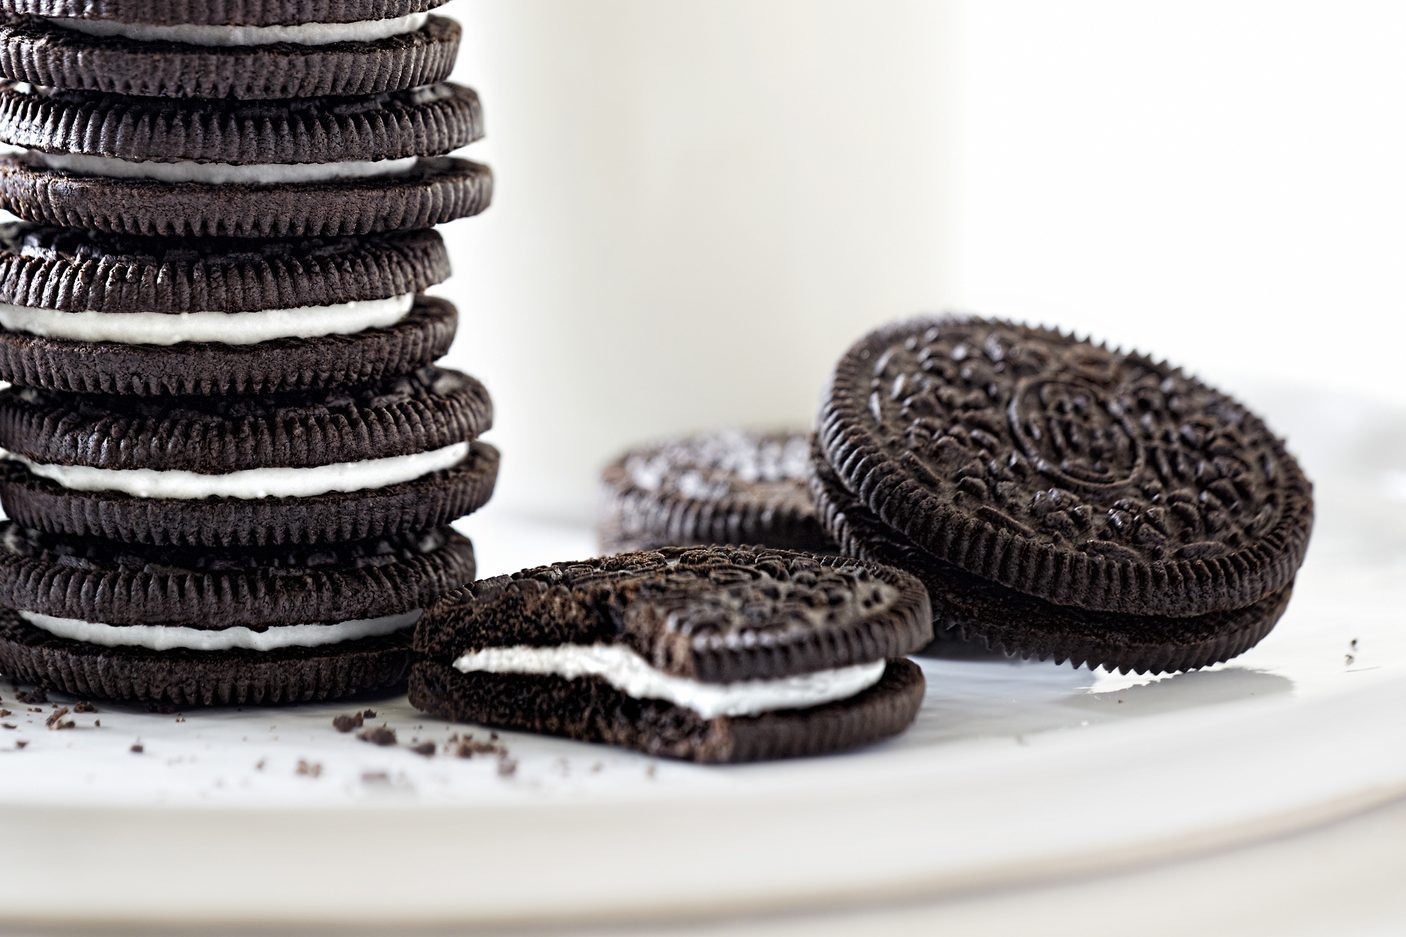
(93, 313)
(317, 167)
(368, 461)
(727, 487)
(713, 654)
(193, 628)
(229, 59)
(1061, 499)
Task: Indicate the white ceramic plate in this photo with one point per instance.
(1015, 772)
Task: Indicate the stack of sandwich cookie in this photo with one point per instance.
(734, 486)
(714, 654)
(229, 461)
(1060, 499)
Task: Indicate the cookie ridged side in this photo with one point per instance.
(418, 122)
(48, 55)
(120, 584)
(969, 609)
(431, 501)
(592, 710)
(195, 678)
(222, 12)
(193, 368)
(437, 190)
(419, 412)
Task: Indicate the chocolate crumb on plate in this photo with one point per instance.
(345, 723)
(380, 735)
(424, 748)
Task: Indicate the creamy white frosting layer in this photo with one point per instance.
(634, 676)
(171, 637)
(86, 164)
(308, 34)
(225, 328)
(270, 482)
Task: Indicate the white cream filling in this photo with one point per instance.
(271, 482)
(632, 675)
(171, 637)
(309, 34)
(225, 328)
(85, 164)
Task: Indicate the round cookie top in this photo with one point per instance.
(1066, 470)
(419, 412)
(74, 270)
(121, 584)
(712, 614)
(733, 486)
(427, 121)
(222, 12)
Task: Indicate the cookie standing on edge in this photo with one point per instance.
(713, 654)
(226, 50)
(1061, 499)
(92, 313)
(202, 628)
(373, 460)
(727, 487)
(315, 167)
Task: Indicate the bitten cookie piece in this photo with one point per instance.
(313, 167)
(206, 628)
(1061, 499)
(93, 313)
(394, 456)
(713, 654)
(726, 487)
(225, 56)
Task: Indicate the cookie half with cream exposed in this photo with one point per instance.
(712, 654)
(93, 313)
(226, 50)
(374, 460)
(218, 627)
(313, 167)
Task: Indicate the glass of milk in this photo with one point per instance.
(698, 207)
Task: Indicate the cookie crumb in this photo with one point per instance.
(381, 735)
(375, 777)
(507, 767)
(32, 697)
(83, 706)
(4, 713)
(8, 725)
(309, 769)
(424, 748)
(137, 748)
(97, 723)
(345, 723)
(259, 765)
(20, 743)
(57, 722)
(469, 746)
(368, 714)
(1349, 659)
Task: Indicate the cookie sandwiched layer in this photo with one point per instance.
(1059, 498)
(712, 654)
(726, 487)
(222, 12)
(317, 167)
(228, 60)
(94, 313)
(193, 628)
(373, 460)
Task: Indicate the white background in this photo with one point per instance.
(699, 206)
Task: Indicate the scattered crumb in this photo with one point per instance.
(137, 748)
(424, 748)
(20, 743)
(32, 697)
(368, 714)
(36, 709)
(345, 723)
(468, 747)
(1352, 644)
(4, 713)
(507, 767)
(8, 725)
(651, 771)
(381, 735)
(259, 765)
(83, 706)
(492, 736)
(56, 720)
(97, 723)
(1349, 659)
(309, 769)
(375, 777)
(180, 717)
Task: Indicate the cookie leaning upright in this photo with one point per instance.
(1061, 499)
(713, 654)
